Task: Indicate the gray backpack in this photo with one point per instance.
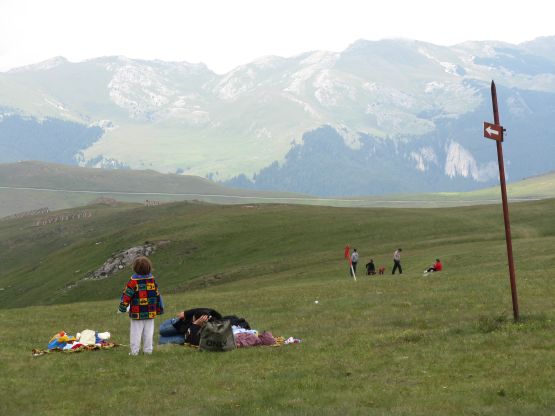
(217, 336)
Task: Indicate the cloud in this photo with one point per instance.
(224, 33)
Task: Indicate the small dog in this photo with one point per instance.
(381, 270)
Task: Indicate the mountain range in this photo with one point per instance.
(379, 117)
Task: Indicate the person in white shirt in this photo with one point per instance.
(354, 262)
(397, 261)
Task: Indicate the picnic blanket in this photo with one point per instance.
(104, 346)
(266, 339)
(86, 340)
(252, 338)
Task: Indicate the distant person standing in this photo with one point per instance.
(397, 261)
(370, 268)
(354, 262)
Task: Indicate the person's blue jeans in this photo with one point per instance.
(168, 333)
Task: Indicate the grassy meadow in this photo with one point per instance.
(443, 344)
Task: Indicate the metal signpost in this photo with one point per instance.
(495, 132)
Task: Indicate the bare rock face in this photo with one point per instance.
(119, 261)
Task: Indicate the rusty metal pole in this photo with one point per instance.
(505, 206)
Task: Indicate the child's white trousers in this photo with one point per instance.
(141, 328)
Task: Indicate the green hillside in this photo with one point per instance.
(541, 186)
(30, 185)
(27, 186)
(403, 345)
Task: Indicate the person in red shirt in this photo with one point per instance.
(437, 267)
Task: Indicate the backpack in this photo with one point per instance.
(217, 335)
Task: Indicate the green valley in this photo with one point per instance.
(398, 345)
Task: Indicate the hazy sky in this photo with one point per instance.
(227, 33)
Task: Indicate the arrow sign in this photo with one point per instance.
(493, 131)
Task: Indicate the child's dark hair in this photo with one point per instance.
(142, 265)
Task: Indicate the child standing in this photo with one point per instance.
(144, 301)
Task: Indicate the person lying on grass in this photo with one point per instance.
(173, 330)
(186, 326)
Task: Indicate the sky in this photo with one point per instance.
(224, 34)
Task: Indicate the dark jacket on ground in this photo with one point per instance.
(192, 332)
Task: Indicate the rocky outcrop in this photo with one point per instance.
(118, 261)
(63, 217)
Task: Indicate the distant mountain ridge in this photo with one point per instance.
(396, 115)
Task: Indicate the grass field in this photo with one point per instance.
(402, 345)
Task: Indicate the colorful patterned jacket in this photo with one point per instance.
(141, 294)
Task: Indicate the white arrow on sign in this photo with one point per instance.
(491, 131)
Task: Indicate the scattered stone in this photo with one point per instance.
(40, 211)
(150, 203)
(63, 217)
